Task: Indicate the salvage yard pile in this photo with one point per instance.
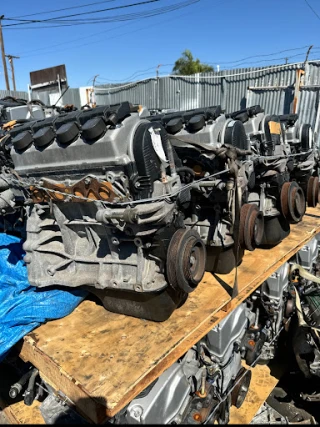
(134, 208)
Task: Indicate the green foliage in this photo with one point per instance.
(187, 65)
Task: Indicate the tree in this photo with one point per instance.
(187, 65)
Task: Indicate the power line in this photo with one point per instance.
(148, 13)
(117, 18)
(135, 75)
(74, 40)
(260, 55)
(312, 9)
(271, 60)
(65, 8)
(56, 19)
(110, 38)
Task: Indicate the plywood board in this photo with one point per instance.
(19, 413)
(262, 384)
(102, 360)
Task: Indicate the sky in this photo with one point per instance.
(218, 32)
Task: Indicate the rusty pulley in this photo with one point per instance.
(241, 387)
(293, 202)
(313, 191)
(186, 260)
(251, 226)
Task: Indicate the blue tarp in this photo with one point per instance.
(22, 306)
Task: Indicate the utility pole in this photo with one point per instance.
(11, 57)
(286, 60)
(307, 56)
(158, 88)
(158, 70)
(4, 56)
(93, 98)
(94, 79)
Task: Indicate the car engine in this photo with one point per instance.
(102, 206)
(280, 200)
(306, 337)
(202, 385)
(305, 156)
(198, 137)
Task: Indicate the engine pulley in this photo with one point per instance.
(241, 387)
(313, 191)
(293, 202)
(186, 260)
(251, 226)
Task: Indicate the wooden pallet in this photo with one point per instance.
(102, 360)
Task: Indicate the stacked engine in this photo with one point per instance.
(274, 188)
(202, 385)
(137, 207)
(305, 156)
(203, 138)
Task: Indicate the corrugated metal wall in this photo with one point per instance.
(72, 96)
(15, 94)
(228, 88)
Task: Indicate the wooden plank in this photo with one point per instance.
(262, 384)
(19, 413)
(102, 360)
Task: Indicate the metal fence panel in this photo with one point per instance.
(143, 93)
(15, 94)
(72, 96)
(228, 88)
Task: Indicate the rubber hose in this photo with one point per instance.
(186, 169)
(30, 392)
(16, 388)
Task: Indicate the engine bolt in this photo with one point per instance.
(50, 272)
(137, 184)
(87, 181)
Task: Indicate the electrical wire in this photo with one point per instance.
(60, 10)
(260, 55)
(136, 74)
(117, 18)
(273, 59)
(113, 37)
(58, 18)
(312, 9)
(21, 54)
